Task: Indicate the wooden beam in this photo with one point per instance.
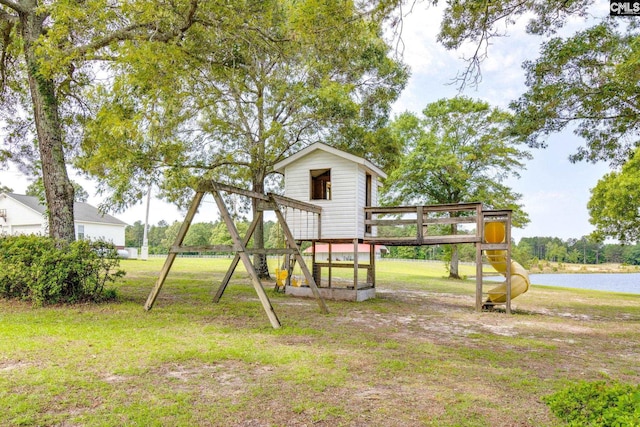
(355, 263)
(213, 186)
(427, 240)
(244, 256)
(296, 204)
(234, 262)
(172, 256)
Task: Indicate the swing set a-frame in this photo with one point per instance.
(264, 202)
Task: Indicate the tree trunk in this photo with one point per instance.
(453, 264)
(59, 192)
(259, 260)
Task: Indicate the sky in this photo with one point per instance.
(555, 191)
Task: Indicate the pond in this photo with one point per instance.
(615, 282)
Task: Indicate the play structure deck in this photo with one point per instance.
(488, 230)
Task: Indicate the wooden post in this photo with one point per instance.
(236, 259)
(371, 274)
(479, 270)
(507, 236)
(479, 275)
(330, 260)
(168, 262)
(355, 265)
(242, 253)
(420, 224)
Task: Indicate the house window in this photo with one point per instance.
(321, 184)
(80, 231)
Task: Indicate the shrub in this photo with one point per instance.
(597, 404)
(43, 271)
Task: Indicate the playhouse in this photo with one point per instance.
(342, 185)
(331, 204)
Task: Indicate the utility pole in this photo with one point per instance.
(144, 252)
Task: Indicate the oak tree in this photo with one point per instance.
(614, 207)
(297, 73)
(459, 150)
(48, 51)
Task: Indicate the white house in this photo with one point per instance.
(339, 182)
(20, 214)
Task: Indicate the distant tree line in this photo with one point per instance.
(162, 236)
(580, 251)
(528, 251)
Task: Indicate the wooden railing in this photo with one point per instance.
(424, 218)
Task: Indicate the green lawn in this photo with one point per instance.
(418, 354)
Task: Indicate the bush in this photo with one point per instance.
(597, 404)
(43, 271)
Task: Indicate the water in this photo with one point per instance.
(613, 282)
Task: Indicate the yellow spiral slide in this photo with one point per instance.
(494, 232)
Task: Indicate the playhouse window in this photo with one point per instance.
(321, 184)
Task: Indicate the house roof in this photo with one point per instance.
(342, 247)
(83, 212)
(279, 167)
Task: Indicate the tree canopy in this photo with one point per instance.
(588, 83)
(301, 72)
(48, 55)
(460, 150)
(614, 207)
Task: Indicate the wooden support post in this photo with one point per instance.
(371, 273)
(242, 253)
(507, 236)
(291, 243)
(236, 259)
(330, 260)
(420, 224)
(168, 262)
(355, 265)
(479, 276)
(317, 275)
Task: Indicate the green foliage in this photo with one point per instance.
(40, 270)
(597, 404)
(36, 189)
(588, 81)
(614, 207)
(272, 78)
(469, 21)
(460, 150)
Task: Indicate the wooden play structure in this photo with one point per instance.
(242, 252)
(346, 188)
(330, 199)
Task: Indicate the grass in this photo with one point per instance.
(416, 355)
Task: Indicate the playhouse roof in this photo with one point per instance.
(279, 167)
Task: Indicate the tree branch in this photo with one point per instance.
(7, 17)
(13, 5)
(132, 32)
